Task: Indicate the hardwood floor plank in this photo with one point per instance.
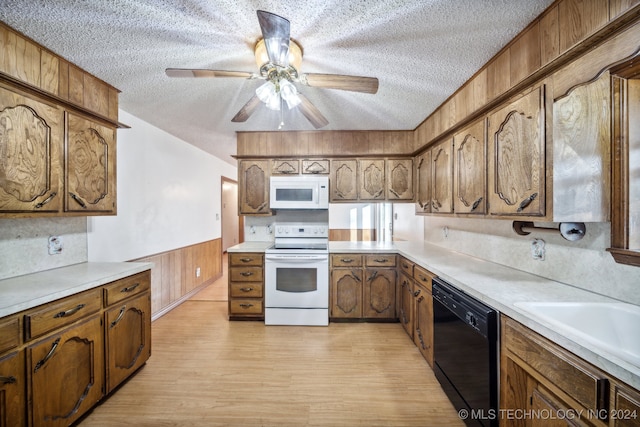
(207, 371)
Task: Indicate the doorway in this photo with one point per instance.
(232, 223)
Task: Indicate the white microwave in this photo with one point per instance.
(299, 192)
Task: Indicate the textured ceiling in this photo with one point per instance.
(420, 50)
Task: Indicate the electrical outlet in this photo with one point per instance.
(197, 271)
(55, 245)
(537, 249)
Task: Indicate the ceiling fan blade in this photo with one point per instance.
(275, 32)
(186, 72)
(247, 110)
(311, 112)
(342, 82)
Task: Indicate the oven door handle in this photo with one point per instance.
(298, 259)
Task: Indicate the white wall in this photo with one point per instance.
(585, 263)
(169, 193)
(406, 224)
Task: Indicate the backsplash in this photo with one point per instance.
(24, 244)
(584, 264)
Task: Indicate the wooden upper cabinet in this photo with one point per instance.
(442, 177)
(315, 166)
(91, 166)
(470, 173)
(343, 182)
(30, 154)
(516, 163)
(253, 188)
(422, 165)
(399, 179)
(625, 198)
(371, 182)
(285, 167)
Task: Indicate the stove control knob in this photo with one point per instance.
(315, 230)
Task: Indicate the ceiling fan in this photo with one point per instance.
(279, 59)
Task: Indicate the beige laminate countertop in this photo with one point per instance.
(499, 287)
(31, 290)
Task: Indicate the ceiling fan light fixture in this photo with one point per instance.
(262, 57)
(290, 94)
(267, 93)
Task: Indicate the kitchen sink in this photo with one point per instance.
(613, 327)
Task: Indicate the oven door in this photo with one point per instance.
(297, 281)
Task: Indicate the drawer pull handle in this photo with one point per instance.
(8, 380)
(246, 259)
(47, 200)
(130, 288)
(119, 318)
(78, 200)
(246, 289)
(346, 260)
(424, 279)
(41, 363)
(69, 312)
(405, 265)
(380, 260)
(246, 305)
(246, 273)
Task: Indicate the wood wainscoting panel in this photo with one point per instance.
(352, 235)
(174, 277)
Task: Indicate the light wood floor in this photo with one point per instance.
(207, 371)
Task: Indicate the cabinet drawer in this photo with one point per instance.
(246, 274)
(127, 287)
(62, 312)
(245, 307)
(346, 260)
(407, 266)
(246, 290)
(423, 277)
(246, 259)
(583, 382)
(9, 333)
(380, 260)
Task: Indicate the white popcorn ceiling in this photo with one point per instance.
(420, 50)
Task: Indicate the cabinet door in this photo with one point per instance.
(517, 157)
(423, 327)
(626, 404)
(442, 177)
(406, 304)
(380, 293)
(316, 167)
(285, 167)
(90, 172)
(253, 188)
(346, 293)
(470, 170)
(12, 390)
(31, 136)
(423, 182)
(400, 179)
(128, 338)
(67, 374)
(343, 181)
(371, 181)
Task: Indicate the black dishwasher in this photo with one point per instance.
(465, 342)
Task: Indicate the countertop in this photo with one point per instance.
(30, 290)
(499, 287)
(250, 247)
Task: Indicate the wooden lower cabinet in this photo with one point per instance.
(423, 313)
(128, 338)
(406, 304)
(59, 359)
(246, 286)
(12, 390)
(66, 374)
(363, 287)
(542, 379)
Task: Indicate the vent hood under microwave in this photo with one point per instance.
(299, 192)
